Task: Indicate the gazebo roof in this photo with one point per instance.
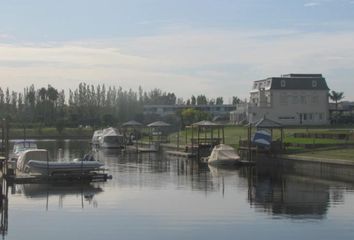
(159, 124)
(205, 124)
(132, 123)
(266, 123)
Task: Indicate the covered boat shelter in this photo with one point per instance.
(205, 135)
(131, 131)
(158, 131)
(269, 125)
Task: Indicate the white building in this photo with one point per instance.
(293, 99)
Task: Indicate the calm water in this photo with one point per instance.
(153, 197)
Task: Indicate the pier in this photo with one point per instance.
(14, 176)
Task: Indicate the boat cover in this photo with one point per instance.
(262, 138)
(32, 154)
(223, 153)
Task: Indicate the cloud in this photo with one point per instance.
(311, 4)
(208, 61)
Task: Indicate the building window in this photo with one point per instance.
(303, 99)
(295, 100)
(310, 116)
(305, 116)
(320, 116)
(314, 83)
(282, 83)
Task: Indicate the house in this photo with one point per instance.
(292, 99)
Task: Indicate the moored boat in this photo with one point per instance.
(223, 154)
(21, 146)
(37, 161)
(111, 138)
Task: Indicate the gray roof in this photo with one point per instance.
(159, 124)
(205, 124)
(266, 123)
(132, 123)
(298, 82)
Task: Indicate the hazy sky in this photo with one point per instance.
(187, 46)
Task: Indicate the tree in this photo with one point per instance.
(193, 100)
(191, 115)
(235, 100)
(219, 101)
(336, 97)
(52, 94)
(202, 100)
(42, 94)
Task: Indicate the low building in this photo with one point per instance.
(292, 99)
(164, 110)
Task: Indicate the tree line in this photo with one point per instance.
(94, 105)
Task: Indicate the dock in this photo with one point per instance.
(140, 149)
(24, 178)
(181, 154)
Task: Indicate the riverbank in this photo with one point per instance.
(51, 133)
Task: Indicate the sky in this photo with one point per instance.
(189, 47)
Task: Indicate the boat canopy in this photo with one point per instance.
(32, 154)
(223, 152)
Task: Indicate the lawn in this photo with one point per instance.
(234, 133)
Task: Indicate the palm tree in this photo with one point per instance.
(336, 97)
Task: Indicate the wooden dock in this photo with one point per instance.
(23, 178)
(140, 149)
(181, 154)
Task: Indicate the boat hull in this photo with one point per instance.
(51, 168)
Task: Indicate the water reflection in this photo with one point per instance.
(177, 193)
(87, 192)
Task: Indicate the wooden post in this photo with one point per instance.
(178, 140)
(47, 163)
(223, 135)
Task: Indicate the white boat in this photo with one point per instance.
(20, 146)
(223, 154)
(37, 161)
(111, 138)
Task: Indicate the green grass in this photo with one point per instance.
(234, 133)
(326, 153)
(315, 140)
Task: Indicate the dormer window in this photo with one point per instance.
(314, 83)
(282, 83)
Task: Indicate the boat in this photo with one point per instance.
(111, 138)
(223, 154)
(20, 146)
(37, 161)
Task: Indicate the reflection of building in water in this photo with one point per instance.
(289, 195)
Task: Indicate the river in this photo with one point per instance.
(152, 196)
